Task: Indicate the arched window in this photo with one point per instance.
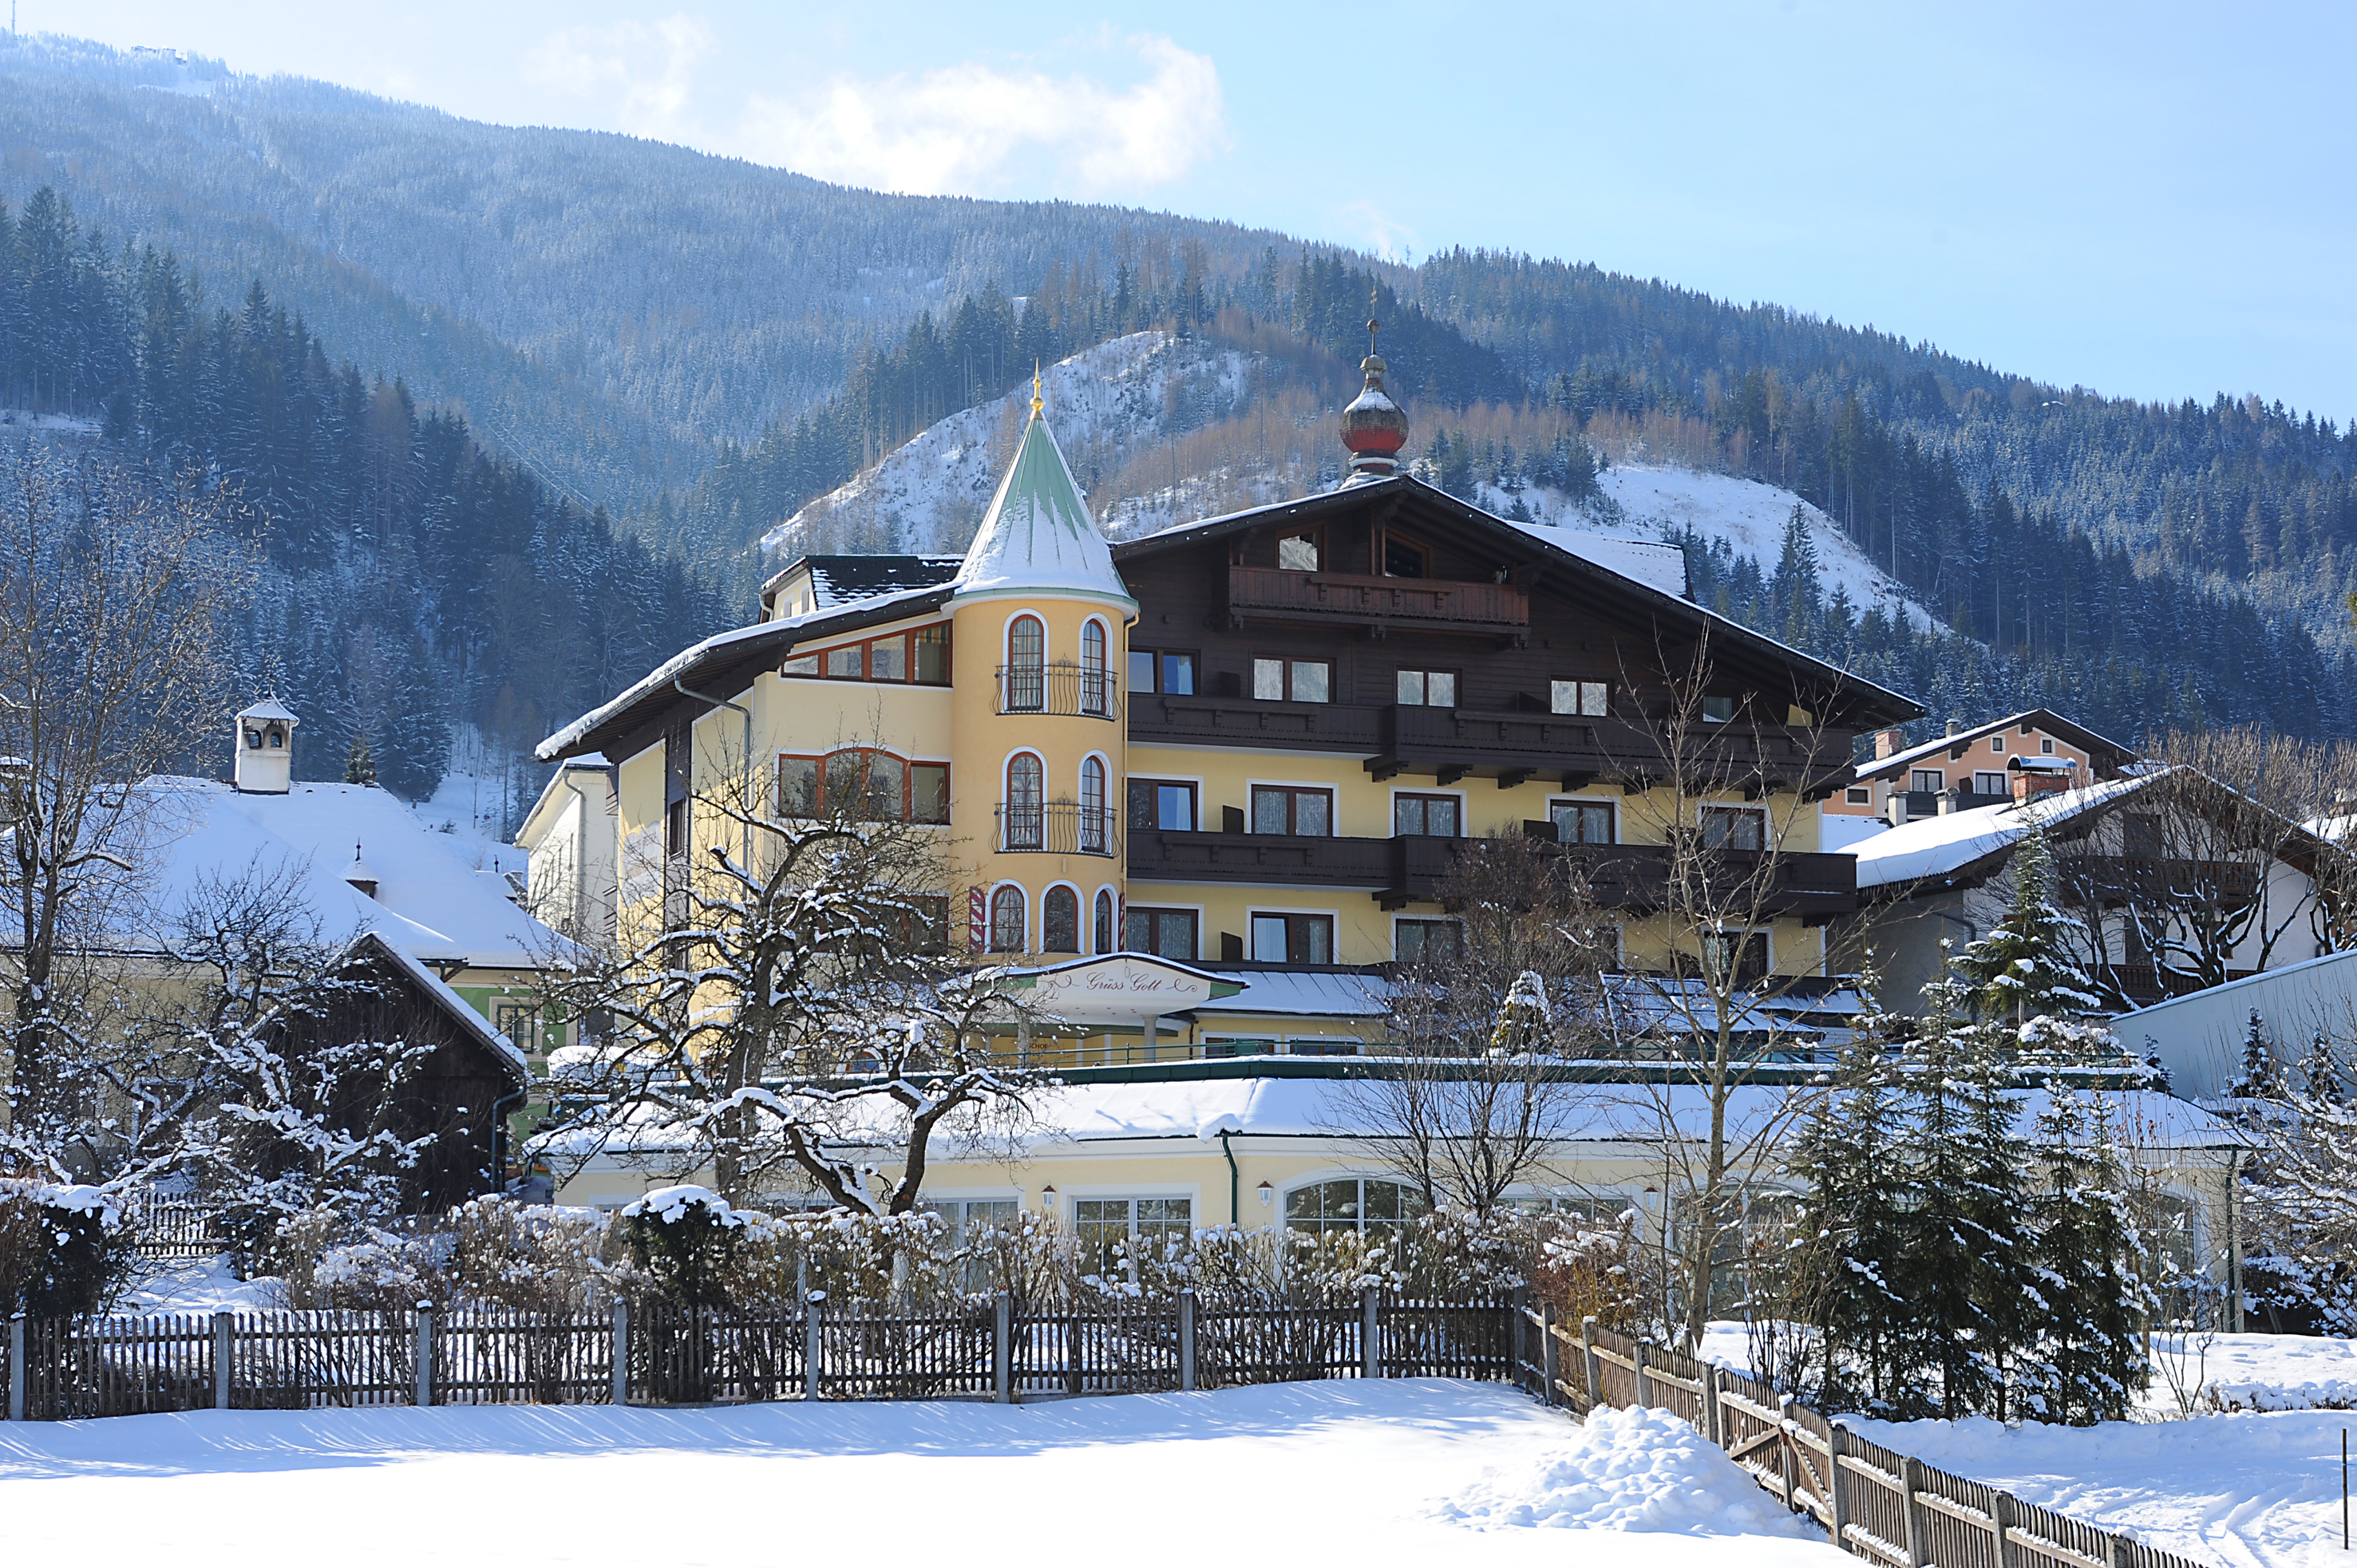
(1105, 942)
(1024, 811)
(1006, 920)
(1026, 666)
(1060, 922)
(1095, 832)
(1369, 1206)
(1092, 667)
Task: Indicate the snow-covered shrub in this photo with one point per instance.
(63, 1250)
(1591, 1270)
(902, 1260)
(688, 1242)
(538, 1258)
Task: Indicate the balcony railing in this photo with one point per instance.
(1262, 593)
(1058, 828)
(1067, 689)
(1414, 869)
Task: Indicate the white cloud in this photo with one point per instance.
(644, 69)
(955, 130)
(1384, 235)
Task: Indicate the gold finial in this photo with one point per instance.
(1038, 403)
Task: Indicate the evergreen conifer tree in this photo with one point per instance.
(2088, 1289)
(359, 766)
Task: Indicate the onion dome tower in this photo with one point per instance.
(1373, 427)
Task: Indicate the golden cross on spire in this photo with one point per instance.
(1038, 403)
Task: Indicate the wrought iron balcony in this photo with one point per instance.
(1070, 690)
(1058, 828)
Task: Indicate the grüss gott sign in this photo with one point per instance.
(1118, 988)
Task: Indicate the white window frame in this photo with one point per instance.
(1088, 912)
(990, 917)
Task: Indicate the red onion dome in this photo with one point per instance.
(1373, 427)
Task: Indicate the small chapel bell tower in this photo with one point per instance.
(265, 749)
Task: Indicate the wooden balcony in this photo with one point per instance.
(1396, 871)
(1265, 594)
(1450, 744)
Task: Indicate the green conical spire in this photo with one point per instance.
(1037, 534)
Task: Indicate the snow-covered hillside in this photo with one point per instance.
(1107, 403)
(1138, 397)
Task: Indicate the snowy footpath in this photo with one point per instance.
(1417, 1471)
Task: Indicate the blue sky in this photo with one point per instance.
(2151, 199)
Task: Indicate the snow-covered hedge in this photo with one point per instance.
(63, 1249)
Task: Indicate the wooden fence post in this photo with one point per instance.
(1002, 1347)
(1587, 1355)
(1910, 1478)
(20, 1376)
(2009, 1550)
(1550, 1357)
(1837, 1482)
(2123, 1552)
(1713, 1418)
(423, 1393)
(1371, 1332)
(1784, 1449)
(814, 1343)
(620, 1372)
(1186, 1341)
(1518, 1304)
(224, 1357)
(1644, 1380)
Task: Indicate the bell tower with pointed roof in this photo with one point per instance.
(1040, 622)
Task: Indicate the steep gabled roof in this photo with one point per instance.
(1865, 701)
(2102, 752)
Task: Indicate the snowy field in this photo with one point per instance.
(1419, 1471)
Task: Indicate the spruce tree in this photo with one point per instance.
(2088, 1287)
(359, 766)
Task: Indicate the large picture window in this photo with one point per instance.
(1107, 1226)
(1352, 1205)
(920, 657)
(867, 784)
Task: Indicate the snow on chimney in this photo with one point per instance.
(1896, 807)
(265, 749)
(1888, 743)
(2033, 777)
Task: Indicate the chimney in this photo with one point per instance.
(2033, 777)
(265, 749)
(1888, 743)
(1952, 729)
(1947, 801)
(1896, 807)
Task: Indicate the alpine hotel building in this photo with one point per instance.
(1249, 747)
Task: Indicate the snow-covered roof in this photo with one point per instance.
(270, 708)
(1283, 993)
(754, 640)
(492, 1040)
(2035, 718)
(1655, 564)
(1038, 533)
(430, 903)
(839, 580)
(1927, 847)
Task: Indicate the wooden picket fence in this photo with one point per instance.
(1874, 1502)
(75, 1369)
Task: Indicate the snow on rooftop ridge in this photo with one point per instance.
(1941, 845)
(1654, 563)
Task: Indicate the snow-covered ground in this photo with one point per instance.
(2252, 1487)
(1419, 1471)
(188, 1285)
(2241, 1490)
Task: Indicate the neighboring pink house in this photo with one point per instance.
(2020, 754)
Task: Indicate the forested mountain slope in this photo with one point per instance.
(412, 581)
